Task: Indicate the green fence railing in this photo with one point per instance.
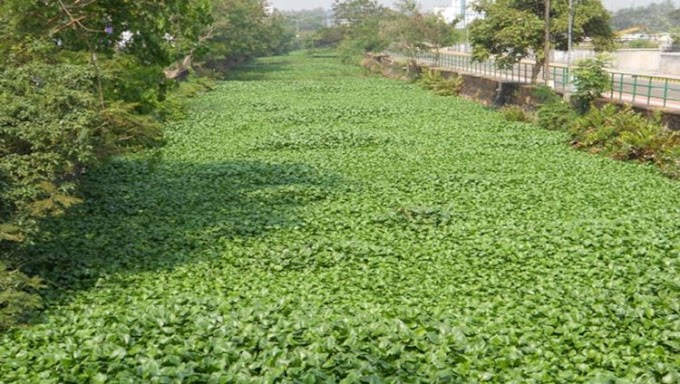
(658, 91)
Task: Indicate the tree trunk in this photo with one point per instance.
(98, 75)
(536, 70)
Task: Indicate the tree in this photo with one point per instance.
(514, 29)
(407, 29)
(238, 33)
(438, 33)
(361, 22)
(410, 31)
(356, 12)
(92, 32)
(81, 80)
(239, 30)
(327, 37)
(656, 17)
(305, 21)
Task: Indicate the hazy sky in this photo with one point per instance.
(427, 4)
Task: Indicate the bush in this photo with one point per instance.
(350, 52)
(556, 116)
(675, 44)
(327, 37)
(591, 80)
(174, 106)
(517, 113)
(443, 86)
(546, 95)
(627, 135)
(17, 296)
(641, 43)
(49, 132)
(53, 128)
(371, 65)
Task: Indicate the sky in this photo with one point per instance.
(428, 4)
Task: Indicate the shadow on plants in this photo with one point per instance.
(258, 70)
(146, 216)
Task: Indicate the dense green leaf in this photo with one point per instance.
(455, 248)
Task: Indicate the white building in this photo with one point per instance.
(459, 10)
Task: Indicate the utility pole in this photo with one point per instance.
(546, 51)
(571, 34)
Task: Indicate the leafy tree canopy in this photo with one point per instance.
(514, 29)
(411, 30)
(160, 29)
(354, 12)
(655, 17)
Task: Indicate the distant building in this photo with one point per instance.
(460, 10)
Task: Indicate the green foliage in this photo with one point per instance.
(357, 12)
(591, 81)
(444, 86)
(243, 29)
(359, 22)
(545, 94)
(456, 248)
(305, 20)
(83, 80)
(675, 45)
(514, 29)
(360, 40)
(49, 130)
(322, 139)
(637, 44)
(438, 33)
(352, 49)
(325, 38)
(553, 113)
(17, 296)
(556, 116)
(410, 31)
(365, 26)
(656, 17)
(174, 106)
(407, 30)
(627, 135)
(98, 26)
(516, 113)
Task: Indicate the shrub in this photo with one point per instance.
(371, 65)
(556, 116)
(49, 131)
(675, 44)
(546, 95)
(517, 113)
(325, 38)
(627, 135)
(53, 128)
(591, 80)
(444, 86)
(641, 43)
(17, 296)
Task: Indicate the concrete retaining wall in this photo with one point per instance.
(644, 61)
(637, 60)
(670, 63)
(495, 93)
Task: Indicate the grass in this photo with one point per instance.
(309, 224)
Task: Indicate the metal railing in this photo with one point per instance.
(648, 90)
